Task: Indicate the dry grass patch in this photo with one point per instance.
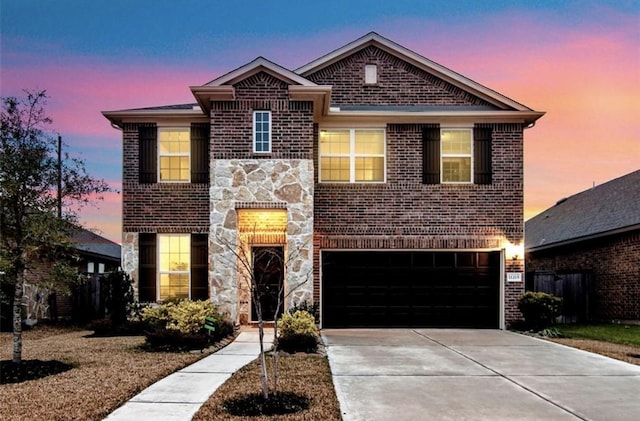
(627, 353)
(108, 372)
(302, 374)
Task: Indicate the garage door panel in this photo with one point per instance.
(402, 289)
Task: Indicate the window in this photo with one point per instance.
(100, 267)
(174, 156)
(262, 131)
(352, 155)
(370, 74)
(456, 155)
(174, 265)
(91, 267)
(452, 155)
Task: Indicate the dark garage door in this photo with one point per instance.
(410, 289)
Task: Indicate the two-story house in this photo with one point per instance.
(391, 186)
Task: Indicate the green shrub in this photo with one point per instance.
(173, 340)
(179, 325)
(313, 309)
(297, 332)
(539, 309)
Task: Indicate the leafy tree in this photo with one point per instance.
(30, 173)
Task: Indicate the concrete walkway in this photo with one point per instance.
(179, 396)
(448, 374)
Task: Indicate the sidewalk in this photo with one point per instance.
(179, 396)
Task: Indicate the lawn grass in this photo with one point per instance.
(615, 333)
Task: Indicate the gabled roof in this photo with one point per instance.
(94, 244)
(222, 88)
(456, 79)
(301, 88)
(609, 208)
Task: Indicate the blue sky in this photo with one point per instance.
(577, 60)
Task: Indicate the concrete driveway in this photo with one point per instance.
(450, 374)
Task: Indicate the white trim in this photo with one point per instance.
(470, 155)
(352, 154)
(159, 272)
(503, 268)
(255, 132)
(257, 65)
(159, 154)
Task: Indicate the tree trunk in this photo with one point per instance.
(17, 318)
(263, 360)
(275, 356)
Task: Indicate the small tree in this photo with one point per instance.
(246, 260)
(34, 187)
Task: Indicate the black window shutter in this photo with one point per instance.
(147, 267)
(200, 133)
(431, 155)
(482, 155)
(199, 267)
(148, 153)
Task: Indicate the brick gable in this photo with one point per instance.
(399, 83)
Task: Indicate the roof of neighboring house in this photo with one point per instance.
(606, 209)
(89, 242)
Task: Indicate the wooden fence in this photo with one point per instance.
(574, 288)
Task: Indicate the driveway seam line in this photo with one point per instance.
(503, 376)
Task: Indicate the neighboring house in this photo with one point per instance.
(391, 184)
(595, 233)
(96, 255)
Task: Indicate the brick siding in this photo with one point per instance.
(615, 264)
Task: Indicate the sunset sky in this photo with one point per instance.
(579, 61)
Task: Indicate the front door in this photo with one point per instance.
(268, 278)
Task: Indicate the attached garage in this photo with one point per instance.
(410, 289)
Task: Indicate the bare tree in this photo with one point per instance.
(245, 258)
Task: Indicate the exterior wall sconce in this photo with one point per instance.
(514, 251)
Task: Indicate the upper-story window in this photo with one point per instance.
(262, 131)
(456, 155)
(352, 155)
(174, 154)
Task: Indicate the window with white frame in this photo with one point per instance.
(262, 131)
(456, 157)
(174, 258)
(352, 155)
(174, 154)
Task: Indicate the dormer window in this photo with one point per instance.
(371, 74)
(262, 131)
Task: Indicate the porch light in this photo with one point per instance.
(514, 251)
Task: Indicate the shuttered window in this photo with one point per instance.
(148, 153)
(455, 161)
(147, 267)
(173, 265)
(200, 133)
(199, 267)
(183, 154)
(482, 155)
